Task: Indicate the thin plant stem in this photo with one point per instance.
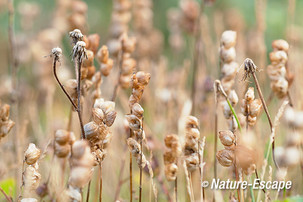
(216, 133)
(140, 186)
(88, 191)
(79, 97)
(130, 177)
(100, 182)
(176, 189)
(60, 84)
(5, 195)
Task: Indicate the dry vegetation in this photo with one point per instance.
(140, 115)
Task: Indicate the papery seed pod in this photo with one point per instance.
(74, 194)
(229, 70)
(191, 122)
(31, 179)
(171, 171)
(62, 151)
(250, 95)
(32, 154)
(103, 54)
(255, 107)
(62, 137)
(79, 148)
(98, 115)
(277, 57)
(137, 110)
(134, 146)
(227, 137)
(128, 44)
(134, 122)
(192, 162)
(93, 42)
(245, 158)
(80, 176)
(91, 129)
(252, 120)
(110, 118)
(233, 97)
(228, 39)
(226, 110)
(228, 55)
(225, 157)
(106, 68)
(169, 157)
(89, 60)
(280, 87)
(232, 123)
(280, 44)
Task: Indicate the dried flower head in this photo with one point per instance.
(76, 36)
(79, 51)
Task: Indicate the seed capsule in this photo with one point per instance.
(225, 157)
(228, 39)
(227, 138)
(32, 154)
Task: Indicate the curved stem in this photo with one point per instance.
(60, 84)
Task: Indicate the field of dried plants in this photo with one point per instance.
(149, 100)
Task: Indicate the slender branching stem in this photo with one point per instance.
(60, 84)
(79, 62)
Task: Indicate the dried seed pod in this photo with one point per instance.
(250, 95)
(98, 115)
(225, 157)
(31, 180)
(80, 176)
(62, 137)
(91, 129)
(32, 154)
(228, 39)
(192, 162)
(137, 110)
(62, 151)
(245, 158)
(233, 97)
(93, 42)
(228, 55)
(171, 171)
(255, 107)
(277, 57)
(280, 44)
(134, 122)
(229, 70)
(227, 137)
